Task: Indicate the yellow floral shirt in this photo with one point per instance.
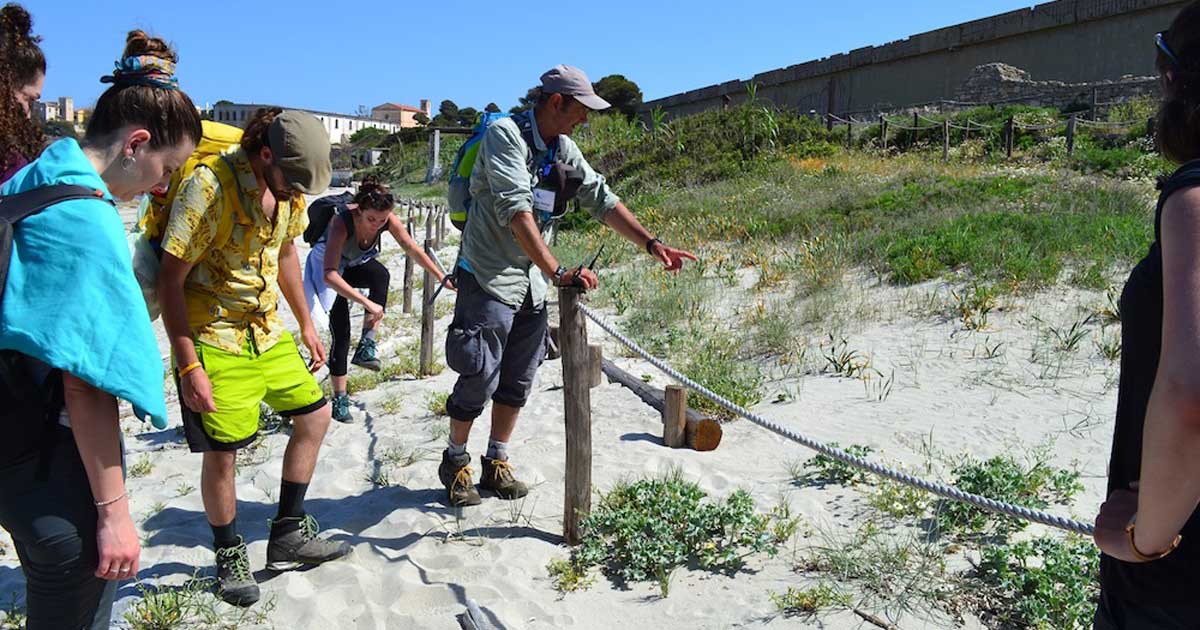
(232, 291)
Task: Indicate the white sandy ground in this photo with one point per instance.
(416, 561)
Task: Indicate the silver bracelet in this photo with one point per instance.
(111, 501)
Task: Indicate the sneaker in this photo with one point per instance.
(341, 408)
(455, 473)
(301, 546)
(364, 355)
(498, 477)
(235, 583)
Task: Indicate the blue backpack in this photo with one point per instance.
(459, 182)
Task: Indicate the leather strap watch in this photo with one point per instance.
(650, 245)
(558, 274)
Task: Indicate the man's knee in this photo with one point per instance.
(220, 463)
(316, 421)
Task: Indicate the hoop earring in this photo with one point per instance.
(127, 163)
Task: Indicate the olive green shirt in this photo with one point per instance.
(501, 186)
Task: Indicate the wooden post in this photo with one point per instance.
(427, 289)
(429, 228)
(882, 132)
(442, 226)
(595, 363)
(408, 273)
(829, 121)
(553, 352)
(916, 120)
(435, 148)
(1071, 135)
(675, 417)
(1150, 127)
(1010, 132)
(702, 433)
(946, 140)
(849, 134)
(577, 407)
(967, 133)
(1095, 105)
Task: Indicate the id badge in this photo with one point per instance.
(543, 200)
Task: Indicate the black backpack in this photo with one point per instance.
(22, 394)
(320, 212)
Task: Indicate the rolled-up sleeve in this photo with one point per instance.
(504, 155)
(594, 194)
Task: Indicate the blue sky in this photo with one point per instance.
(335, 56)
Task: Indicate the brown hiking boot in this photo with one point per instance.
(455, 473)
(497, 476)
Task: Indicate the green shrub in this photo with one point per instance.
(1004, 479)
(823, 469)
(809, 601)
(1041, 583)
(646, 529)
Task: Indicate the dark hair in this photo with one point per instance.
(373, 195)
(167, 113)
(1178, 126)
(21, 62)
(254, 138)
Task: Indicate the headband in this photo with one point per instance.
(144, 70)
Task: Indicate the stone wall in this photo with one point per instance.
(1002, 83)
(1071, 41)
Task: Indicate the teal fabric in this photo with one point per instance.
(71, 300)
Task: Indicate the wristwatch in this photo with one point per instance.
(650, 245)
(558, 274)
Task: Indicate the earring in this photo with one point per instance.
(127, 163)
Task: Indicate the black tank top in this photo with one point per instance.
(1176, 578)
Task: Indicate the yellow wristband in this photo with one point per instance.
(191, 366)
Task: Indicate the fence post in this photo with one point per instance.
(435, 149)
(577, 407)
(849, 134)
(967, 132)
(916, 120)
(427, 289)
(829, 121)
(946, 140)
(1095, 112)
(675, 416)
(595, 365)
(1010, 132)
(1071, 135)
(1150, 127)
(442, 226)
(883, 132)
(408, 271)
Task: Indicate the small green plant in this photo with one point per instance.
(1067, 339)
(379, 478)
(645, 529)
(843, 361)
(567, 578)
(143, 467)
(435, 402)
(1040, 583)
(1109, 346)
(823, 469)
(808, 601)
(974, 305)
(1005, 479)
(184, 489)
(192, 605)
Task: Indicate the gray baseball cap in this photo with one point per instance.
(572, 82)
(300, 146)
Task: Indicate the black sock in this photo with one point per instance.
(225, 536)
(291, 505)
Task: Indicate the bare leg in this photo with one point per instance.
(217, 488)
(504, 420)
(308, 431)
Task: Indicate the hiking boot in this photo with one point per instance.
(364, 355)
(497, 476)
(341, 408)
(455, 473)
(235, 583)
(301, 546)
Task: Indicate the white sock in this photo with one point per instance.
(497, 450)
(456, 449)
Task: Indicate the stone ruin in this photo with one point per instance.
(1002, 83)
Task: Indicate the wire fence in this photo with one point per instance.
(940, 489)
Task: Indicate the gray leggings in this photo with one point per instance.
(46, 506)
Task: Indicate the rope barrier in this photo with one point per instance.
(940, 489)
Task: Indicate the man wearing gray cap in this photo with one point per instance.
(227, 244)
(526, 171)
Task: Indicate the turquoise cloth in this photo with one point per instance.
(71, 300)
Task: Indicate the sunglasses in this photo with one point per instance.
(1161, 42)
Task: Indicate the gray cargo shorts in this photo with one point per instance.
(495, 348)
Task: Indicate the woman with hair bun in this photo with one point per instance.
(344, 261)
(74, 328)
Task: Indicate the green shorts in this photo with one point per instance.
(240, 382)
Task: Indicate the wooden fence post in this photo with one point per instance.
(1150, 127)
(675, 416)
(916, 120)
(849, 134)
(829, 121)
(408, 271)
(946, 140)
(1095, 105)
(595, 365)
(1010, 132)
(435, 149)
(577, 407)
(1071, 135)
(882, 132)
(427, 289)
